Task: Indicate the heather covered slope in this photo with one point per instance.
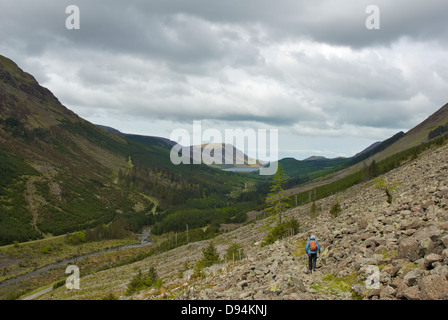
(403, 240)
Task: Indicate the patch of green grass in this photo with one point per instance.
(334, 285)
(46, 249)
(389, 254)
(408, 266)
(300, 248)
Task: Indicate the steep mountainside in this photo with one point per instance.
(375, 248)
(60, 173)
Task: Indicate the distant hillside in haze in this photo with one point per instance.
(217, 151)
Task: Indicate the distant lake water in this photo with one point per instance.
(249, 169)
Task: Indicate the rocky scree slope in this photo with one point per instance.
(405, 242)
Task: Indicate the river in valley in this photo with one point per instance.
(143, 242)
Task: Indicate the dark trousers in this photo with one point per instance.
(312, 258)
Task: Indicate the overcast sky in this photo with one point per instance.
(310, 69)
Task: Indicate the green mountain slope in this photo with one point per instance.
(294, 168)
(61, 173)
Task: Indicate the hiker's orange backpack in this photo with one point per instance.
(313, 245)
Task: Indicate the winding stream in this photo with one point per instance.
(143, 242)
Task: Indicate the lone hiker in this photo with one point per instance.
(312, 247)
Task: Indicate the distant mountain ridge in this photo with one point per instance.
(372, 146)
(314, 158)
(376, 148)
(240, 159)
(148, 140)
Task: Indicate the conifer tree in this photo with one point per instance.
(210, 256)
(277, 200)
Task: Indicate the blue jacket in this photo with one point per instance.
(307, 247)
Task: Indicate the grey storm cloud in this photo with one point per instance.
(283, 63)
(200, 29)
